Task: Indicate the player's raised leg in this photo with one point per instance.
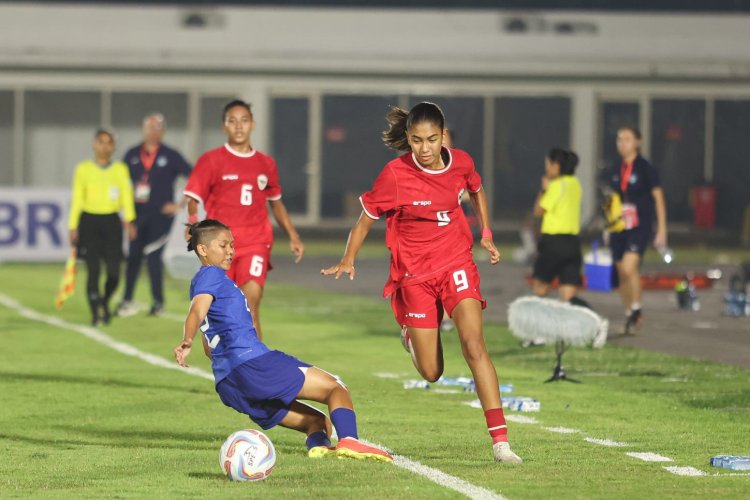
(323, 387)
(468, 317)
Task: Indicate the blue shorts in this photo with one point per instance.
(264, 387)
(633, 240)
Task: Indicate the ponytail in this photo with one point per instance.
(399, 122)
(395, 136)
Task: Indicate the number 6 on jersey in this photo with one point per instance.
(256, 266)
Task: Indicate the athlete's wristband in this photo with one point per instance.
(192, 219)
(486, 233)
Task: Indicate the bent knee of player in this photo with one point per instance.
(431, 373)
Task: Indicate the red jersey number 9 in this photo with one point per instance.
(246, 195)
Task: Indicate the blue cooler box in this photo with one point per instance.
(598, 277)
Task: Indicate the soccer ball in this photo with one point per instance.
(247, 455)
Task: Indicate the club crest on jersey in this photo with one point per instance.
(262, 182)
(161, 161)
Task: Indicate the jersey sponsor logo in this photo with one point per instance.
(422, 203)
(230, 177)
(417, 315)
(161, 161)
(262, 182)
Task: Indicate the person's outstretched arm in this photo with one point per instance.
(479, 204)
(196, 315)
(356, 237)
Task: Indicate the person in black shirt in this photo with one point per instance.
(637, 183)
(154, 168)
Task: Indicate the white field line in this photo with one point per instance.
(605, 442)
(685, 471)
(648, 457)
(101, 338)
(562, 430)
(437, 476)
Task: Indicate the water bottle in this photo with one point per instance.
(521, 404)
(687, 297)
(416, 384)
(666, 254)
(731, 462)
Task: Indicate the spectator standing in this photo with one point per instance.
(154, 168)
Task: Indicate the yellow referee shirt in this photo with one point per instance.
(562, 206)
(101, 190)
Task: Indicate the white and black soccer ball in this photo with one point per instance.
(247, 455)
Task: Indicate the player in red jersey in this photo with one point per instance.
(234, 182)
(432, 266)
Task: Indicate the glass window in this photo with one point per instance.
(525, 129)
(129, 109)
(59, 133)
(464, 117)
(731, 159)
(290, 149)
(212, 129)
(353, 152)
(6, 137)
(678, 130)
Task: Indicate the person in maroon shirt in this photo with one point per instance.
(432, 267)
(234, 182)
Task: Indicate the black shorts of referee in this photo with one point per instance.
(100, 237)
(559, 256)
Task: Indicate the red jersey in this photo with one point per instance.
(233, 187)
(426, 230)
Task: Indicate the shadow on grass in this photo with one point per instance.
(108, 382)
(216, 476)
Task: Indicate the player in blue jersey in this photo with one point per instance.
(263, 383)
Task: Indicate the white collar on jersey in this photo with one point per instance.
(237, 153)
(435, 172)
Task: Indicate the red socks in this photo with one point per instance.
(496, 425)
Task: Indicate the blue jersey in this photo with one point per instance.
(228, 327)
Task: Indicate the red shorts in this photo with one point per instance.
(250, 264)
(421, 305)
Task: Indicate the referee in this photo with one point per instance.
(559, 205)
(101, 190)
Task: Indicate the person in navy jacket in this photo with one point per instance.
(154, 168)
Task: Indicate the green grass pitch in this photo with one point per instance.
(80, 420)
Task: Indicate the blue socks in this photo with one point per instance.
(345, 422)
(317, 439)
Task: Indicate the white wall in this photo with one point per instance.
(450, 42)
